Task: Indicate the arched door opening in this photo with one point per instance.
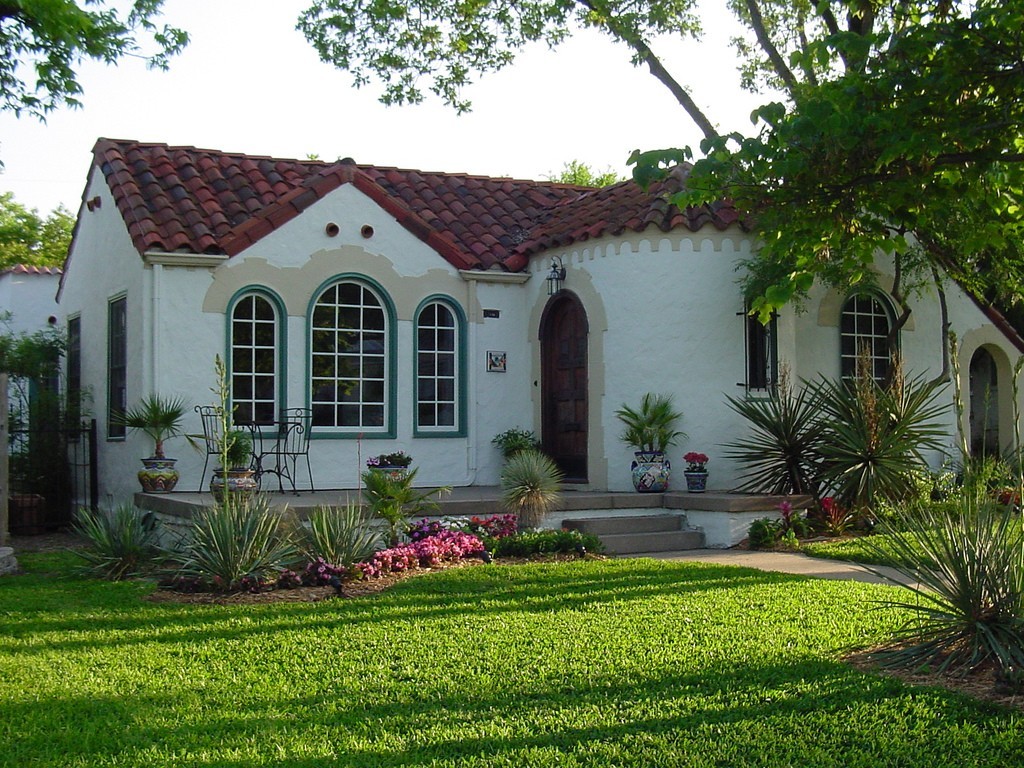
(984, 402)
(564, 409)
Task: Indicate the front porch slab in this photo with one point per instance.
(723, 517)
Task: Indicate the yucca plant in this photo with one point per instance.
(875, 436)
(781, 452)
(340, 535)
(966, 569)
(235, 539)
(531, 487)
(121, 542)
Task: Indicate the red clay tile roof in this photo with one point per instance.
(205, 201)
(30, 269)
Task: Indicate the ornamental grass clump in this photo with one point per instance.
(122, 542)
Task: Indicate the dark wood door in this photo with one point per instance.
(564, 386)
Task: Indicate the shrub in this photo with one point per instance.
(512, 441)
(122, 542)
(235, 539)
(340, 535)
(393, 499)
(784, 532)
(833, 518)
(530, 483)
(547, 542)
(966, 564)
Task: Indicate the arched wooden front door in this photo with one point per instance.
(563, 337)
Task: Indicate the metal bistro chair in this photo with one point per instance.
(289, 441)
(212, 418)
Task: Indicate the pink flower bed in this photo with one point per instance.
(425, 553)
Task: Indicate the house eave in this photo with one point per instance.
(165, 259)
(488, 276)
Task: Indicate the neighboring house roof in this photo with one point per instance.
(30, 269)
(205, 201)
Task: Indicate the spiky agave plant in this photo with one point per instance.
(531, 487)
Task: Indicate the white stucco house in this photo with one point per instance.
(410, 310)
(29, 294)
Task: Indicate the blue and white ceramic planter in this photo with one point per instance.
(651, 471)
(696, 482)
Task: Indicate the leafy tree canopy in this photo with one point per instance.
(899, 129)
(27, 238)
(581, 174)
(43, 41)
(906, 138)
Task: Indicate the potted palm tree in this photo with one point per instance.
(650, 430)
(159, 418)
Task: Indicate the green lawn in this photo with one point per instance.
(597, 663)
(857, 549)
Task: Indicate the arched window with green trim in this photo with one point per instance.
(350, 358)
(439, 368)
(255, 358)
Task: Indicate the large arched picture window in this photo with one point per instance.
(349, 359)
(254, 359)
(437, 368)
(864, 330)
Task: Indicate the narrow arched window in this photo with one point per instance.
(864, 333)
(254, 359)
(437, 368)
(349, 359)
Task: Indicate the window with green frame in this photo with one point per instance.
(438, 369)
(350, 354)
(254, 359)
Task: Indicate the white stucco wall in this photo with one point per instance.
(662, 312)
(295, 262)
(30, 298)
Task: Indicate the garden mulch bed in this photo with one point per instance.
(349, 589)
(978, 683)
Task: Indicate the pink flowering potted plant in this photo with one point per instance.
(696, 472)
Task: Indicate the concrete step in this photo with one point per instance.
(602, 526)
(657, 541)
(7, 562)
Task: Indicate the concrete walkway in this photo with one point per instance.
(787, 562)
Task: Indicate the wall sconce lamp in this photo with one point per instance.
(556, 276)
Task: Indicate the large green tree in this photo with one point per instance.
(28, 238)
(898, 130)
(42, 42)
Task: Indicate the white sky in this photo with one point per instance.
(249, 82)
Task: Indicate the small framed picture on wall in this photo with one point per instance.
(496, 361)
